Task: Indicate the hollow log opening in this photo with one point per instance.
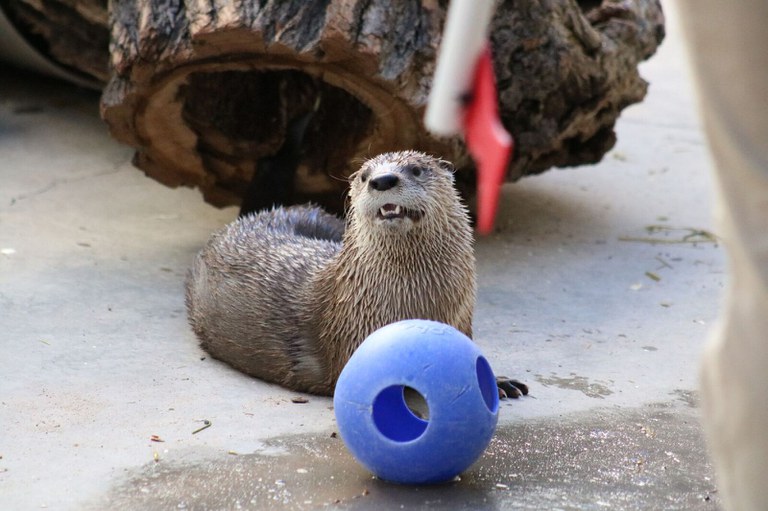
(241, 118)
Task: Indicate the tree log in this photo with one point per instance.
(72, 33)
(207, 90)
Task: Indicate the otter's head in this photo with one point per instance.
(400, 191)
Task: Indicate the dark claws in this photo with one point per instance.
(509, 388)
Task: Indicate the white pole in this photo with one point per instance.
(464, 37)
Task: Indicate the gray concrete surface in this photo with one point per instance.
(605, 326)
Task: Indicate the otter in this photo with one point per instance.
(288, 294)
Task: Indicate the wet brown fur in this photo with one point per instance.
(282, 296)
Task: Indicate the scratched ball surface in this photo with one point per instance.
(443, 376)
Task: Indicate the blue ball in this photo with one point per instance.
(447, 369)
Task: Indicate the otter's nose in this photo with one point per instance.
(384, 182)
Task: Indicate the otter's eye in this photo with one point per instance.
(414, 170)
(363, 177)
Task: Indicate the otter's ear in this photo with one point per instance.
(446, 166)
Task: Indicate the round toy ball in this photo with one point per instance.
(422, 361)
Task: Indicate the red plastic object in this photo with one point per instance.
(488, 142)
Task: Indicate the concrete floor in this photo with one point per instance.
(605, 326)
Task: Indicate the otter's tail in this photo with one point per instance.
(196, 278)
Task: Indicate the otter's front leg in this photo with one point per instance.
(509, 388)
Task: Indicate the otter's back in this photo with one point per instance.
(247, 293)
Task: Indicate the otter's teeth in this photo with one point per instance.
(390, 211)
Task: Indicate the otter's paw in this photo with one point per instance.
(509, 388)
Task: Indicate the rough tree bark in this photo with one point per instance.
(205, 90)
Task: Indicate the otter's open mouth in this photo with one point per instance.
(394, 212)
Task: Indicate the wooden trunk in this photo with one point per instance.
(72, 33)
(207, 91)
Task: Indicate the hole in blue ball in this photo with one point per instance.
(416, 403)
(393, 418)
(487, 382)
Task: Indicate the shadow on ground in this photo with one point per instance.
(648, 458)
